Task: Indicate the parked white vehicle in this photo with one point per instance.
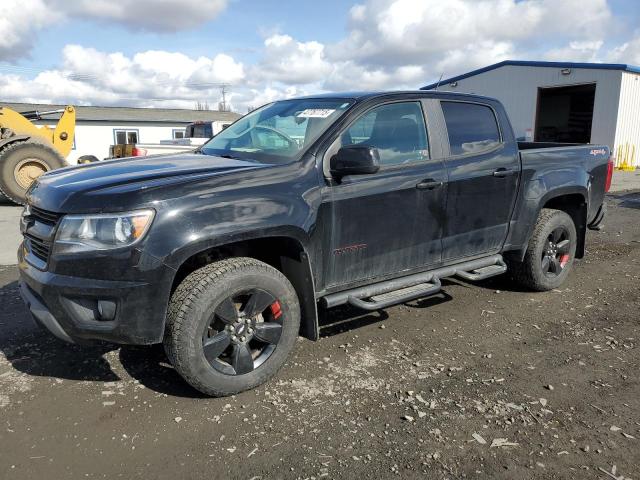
(196, 134)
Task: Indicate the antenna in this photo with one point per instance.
(439, 80)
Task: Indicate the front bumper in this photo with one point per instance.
(77, 309)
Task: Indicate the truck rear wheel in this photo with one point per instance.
(550, 253)
(231, 325)
(21, 163)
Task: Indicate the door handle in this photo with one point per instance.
(428, 184)
(503, 172)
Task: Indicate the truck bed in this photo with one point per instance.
(566, 165)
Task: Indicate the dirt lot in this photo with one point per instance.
(483, 381)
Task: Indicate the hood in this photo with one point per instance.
(60, 190)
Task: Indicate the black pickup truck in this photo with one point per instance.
(226, 254)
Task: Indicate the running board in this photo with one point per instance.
(402, 295)
(400, 290)
(484, 272)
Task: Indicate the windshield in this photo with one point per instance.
(278, 132)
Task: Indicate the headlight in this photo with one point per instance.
(84, 233)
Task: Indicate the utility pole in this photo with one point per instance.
(223, 91)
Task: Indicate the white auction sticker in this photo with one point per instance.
(315, 113)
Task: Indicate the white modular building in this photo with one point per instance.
(564, 102)
(97, 128)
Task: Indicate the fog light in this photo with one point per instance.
(107, 309)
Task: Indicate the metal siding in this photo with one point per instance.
(517, 88)
(627, 143)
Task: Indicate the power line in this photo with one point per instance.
(92, 78)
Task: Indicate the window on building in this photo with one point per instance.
(471, 127)
(397, 130)
(178, 133)
(126, 137)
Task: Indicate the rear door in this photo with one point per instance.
(389, 222)
(483, 168)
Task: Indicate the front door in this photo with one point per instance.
(389, 222)
(483, 175)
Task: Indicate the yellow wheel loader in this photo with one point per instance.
(28, 151)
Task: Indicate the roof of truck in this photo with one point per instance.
(382, 93)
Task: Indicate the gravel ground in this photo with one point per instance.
(481, 381)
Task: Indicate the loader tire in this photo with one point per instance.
(21, 163)
(84, 159)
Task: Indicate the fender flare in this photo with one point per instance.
(299, 271)
(547, 197)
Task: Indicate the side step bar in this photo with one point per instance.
(400, 290)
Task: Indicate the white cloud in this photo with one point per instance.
(19, 22)
(287, 60)
(87, 75)
(389, 44)
(586, 51)
(154, 15)
(397, 32)
(628, 52)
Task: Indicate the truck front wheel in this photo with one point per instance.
(550, 253)
(231, 325)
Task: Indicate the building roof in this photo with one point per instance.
(526, 63)
(131, 114)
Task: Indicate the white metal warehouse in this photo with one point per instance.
(564, 102)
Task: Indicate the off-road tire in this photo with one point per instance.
(12, 155)
(85, 159)
(192, 305)
(528, 273)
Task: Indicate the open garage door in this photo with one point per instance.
(565, 114)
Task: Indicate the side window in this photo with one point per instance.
(397, 130)
(123, 137)
(471, 127)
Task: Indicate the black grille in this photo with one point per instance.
(44, 216)
(38, 234)
(38, 248)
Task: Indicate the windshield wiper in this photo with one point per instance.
(227, 155)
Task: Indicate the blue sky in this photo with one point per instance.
(165, 53)
(238, 30)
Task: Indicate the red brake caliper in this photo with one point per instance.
(564, 259)
(276, 310)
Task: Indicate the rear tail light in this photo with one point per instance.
(607, 182)
(138, 152)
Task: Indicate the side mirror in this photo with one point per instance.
(355, 160)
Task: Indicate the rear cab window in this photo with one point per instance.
(471, 127)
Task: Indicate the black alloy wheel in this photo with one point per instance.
(550, 254)
(231, 325)
(243, 332)
(556, 255)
